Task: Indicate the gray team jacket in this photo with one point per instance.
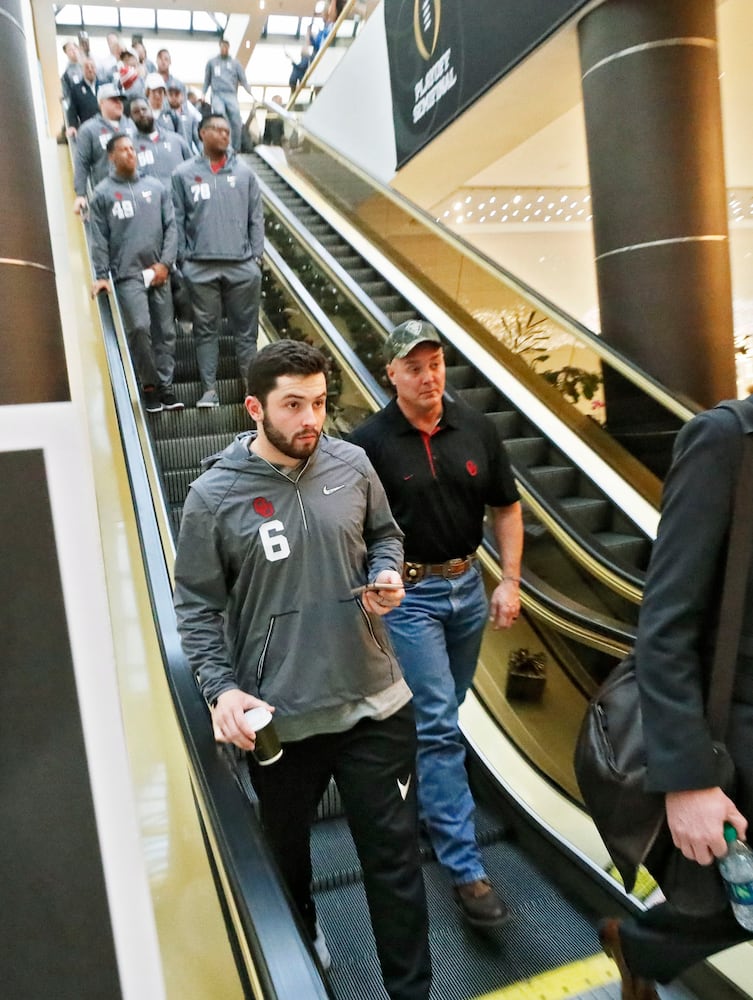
(132, 226)
(160, 152)
(224, 76)
(219, 216)
(91, 150)
(263, 577)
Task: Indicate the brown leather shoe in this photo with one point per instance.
(480, 904)
(633, 987)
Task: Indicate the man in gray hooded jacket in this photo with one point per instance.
(278, 537)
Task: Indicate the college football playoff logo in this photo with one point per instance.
(426, 17)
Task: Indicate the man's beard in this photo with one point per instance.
(287, 446)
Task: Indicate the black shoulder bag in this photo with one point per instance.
(610, 759)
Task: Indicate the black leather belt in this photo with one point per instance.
(450, 570)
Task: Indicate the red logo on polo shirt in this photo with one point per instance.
(471, 467)
(263, 507)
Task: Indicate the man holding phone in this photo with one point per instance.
(279, 541)
(442, 464)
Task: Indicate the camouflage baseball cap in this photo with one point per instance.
(408, 335)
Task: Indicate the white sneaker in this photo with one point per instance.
(321, 949)
(209, 399)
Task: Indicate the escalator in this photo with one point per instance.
(540, 874)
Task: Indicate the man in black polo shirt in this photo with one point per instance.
(441, 463)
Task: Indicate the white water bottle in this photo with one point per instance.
(736, 868)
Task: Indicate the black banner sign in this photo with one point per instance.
(444, 54)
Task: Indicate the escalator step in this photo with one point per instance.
(376, 287)
(483, 398)
(186, 369)
(176, 512)
(390, 303)
(398, 316)
(231, 391)
(627, 548)
(330, 805)
(189, 422)
(590, 514)
(176, 483)
(460, 376)
(185, 348)
(556, 480)
(545, 932)
(523, 452)
(188, 452)
(361, 274)
(349, 260)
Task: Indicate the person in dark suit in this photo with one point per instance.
(673, 650)
(81, 98)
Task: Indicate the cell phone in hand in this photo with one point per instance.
(376, 586)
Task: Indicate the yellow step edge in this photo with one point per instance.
(558, 984)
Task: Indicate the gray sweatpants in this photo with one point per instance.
(150, 330)
(236, 285)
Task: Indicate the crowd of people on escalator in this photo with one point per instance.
(374, 706)
(336, 584)
(175, 213)
(197, 255)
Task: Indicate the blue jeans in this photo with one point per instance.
(437, 633)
